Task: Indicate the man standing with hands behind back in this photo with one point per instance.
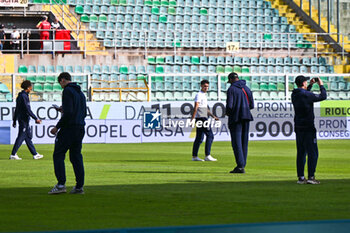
(303, 102)
(238, 104)
(70, 135)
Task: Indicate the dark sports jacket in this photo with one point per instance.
(74, 107)
(23, 111)
(303, 103)
(239, 102)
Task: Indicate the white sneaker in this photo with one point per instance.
(197, 159)
(38, 156)
(15, 157)
(57, 189)
(209, 158)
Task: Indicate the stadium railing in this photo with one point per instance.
(52, 93)
(274, 43)
(274, 86)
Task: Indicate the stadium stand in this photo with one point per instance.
(190, 25)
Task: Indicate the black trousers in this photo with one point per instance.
(306, 144)
(200, 132)
(239, 140)
(69, 139)
(24, 134)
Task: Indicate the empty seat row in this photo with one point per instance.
(175, 28)
(189, 3)
(115, 96)
(228, 60)
(135, 18)
(198, 43)
(179, 95)
(179, 11)
(80, 69)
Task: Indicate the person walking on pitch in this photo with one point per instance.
(23, 113)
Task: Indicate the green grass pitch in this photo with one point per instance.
(156, 184)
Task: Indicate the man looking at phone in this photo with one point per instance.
(303, 102)
(70, 133)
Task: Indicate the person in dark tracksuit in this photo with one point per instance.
(70, 135)
(303, 102)
(22, 114)
(239, 102)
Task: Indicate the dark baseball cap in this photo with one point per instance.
(300, 79)
(232, 75)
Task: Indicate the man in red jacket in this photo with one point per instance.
(45, 26)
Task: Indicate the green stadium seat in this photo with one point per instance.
(245, 69)
(162, 19)
(79, 9)
(195, 60)
(84, 18)
(264, 87)
(38, 87)
(237, 69)
(155, 10)
(272, 87)
(22, 69)
(203, 11)
(159, 60)
(156, 3)
(31, 78)
(93, 18)
(148, 3)
(280, 87)
(48, 87)
(103, 18)
(123, 70)
(255, 86)
(165, 3)
(151, 60)
(40, 79)
(171, 11)
(220, 69)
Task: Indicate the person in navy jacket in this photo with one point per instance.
(303, 102)
(70, 135)
(22, 114)
(239, 102)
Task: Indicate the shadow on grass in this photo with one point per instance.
(169, 172)
(143, 161)
(172, 204)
